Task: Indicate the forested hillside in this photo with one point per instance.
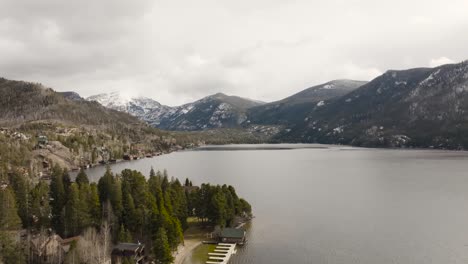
(125, 207)
(422, 107)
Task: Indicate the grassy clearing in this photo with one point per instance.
(200, 254)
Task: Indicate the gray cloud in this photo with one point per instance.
(176, 51)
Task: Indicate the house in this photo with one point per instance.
(42, 140)
(132, 251)
(232, 235)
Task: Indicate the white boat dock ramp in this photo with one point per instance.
(222, 253)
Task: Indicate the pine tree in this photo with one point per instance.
(10, 252)
(161, 248)
(72, 217)
(20, 186)
(58, 194)
(94, 205)
(39, 206)
(9, 219)
(82, 178)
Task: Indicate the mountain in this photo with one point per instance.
(295, 108)
(215, 111)
(22, 102)
(422, 107)
(72, 96)
(145, 109)
(77, 132)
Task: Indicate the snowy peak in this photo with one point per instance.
(144, 108)
(214, 111)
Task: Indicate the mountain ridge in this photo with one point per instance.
(420, 107)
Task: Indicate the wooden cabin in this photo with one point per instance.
(135, 252)
(232, 235)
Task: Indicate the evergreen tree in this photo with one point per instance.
(94, 205)
(82, 178)
(124, 235)
(72, 217)
(161, 248)
(58, 198)
(39, 206)
(20, 186)
(9, 219)
(10, 252)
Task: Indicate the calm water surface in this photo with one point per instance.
(338, 205)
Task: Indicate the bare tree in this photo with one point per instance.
(94, 247)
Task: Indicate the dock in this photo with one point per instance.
(222, 253)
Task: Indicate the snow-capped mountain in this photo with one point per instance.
(144, 108)
(215, 111)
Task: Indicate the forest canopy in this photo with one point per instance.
(128, 206)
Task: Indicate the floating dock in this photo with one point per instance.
(222, 253)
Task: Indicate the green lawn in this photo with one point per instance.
(200, 254)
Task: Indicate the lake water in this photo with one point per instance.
(337, 205)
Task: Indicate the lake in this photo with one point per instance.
(336, 205)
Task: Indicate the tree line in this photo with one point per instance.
(134, 208)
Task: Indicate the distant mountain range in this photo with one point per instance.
(422, 107)
(215, 111)
(295, 108)
(224, 111)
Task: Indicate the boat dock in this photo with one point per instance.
(222, 253)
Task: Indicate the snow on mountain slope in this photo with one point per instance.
(144, 108)
(215, 111)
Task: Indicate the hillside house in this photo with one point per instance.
(132, 251)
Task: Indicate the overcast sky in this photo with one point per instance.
(177, 51)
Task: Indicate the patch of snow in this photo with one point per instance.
(328, 86)
(348, 100)
(430, 77)
(338, 129)
(321, 103)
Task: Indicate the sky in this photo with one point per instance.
(178, 51)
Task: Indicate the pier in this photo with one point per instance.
(222, 253)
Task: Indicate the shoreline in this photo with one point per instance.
(184, 251)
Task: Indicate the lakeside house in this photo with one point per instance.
(132, 251)
(232, 235)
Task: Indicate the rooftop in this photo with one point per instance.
(128, 247)
(232, 233)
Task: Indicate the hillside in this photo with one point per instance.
(78, 132)
(295, 108)
(215, 111)
(145, 109)
(422, 107)
(22, 102)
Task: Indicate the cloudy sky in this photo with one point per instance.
(176, 51)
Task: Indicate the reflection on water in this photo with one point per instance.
(338, 205)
